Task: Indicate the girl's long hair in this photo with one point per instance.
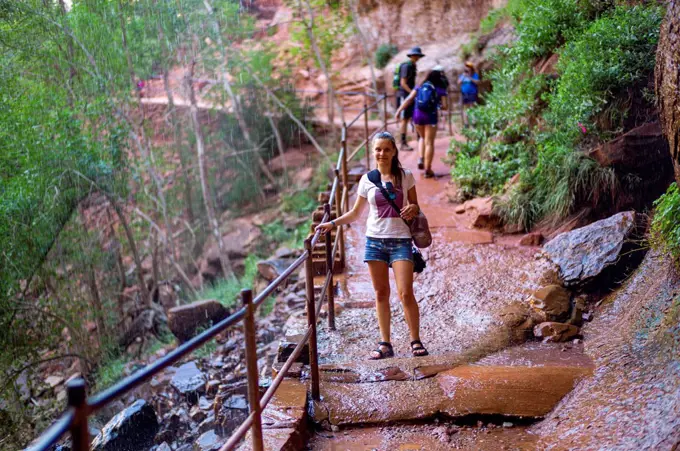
(438, 79)
(395, 166)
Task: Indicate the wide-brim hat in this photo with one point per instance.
(415, 51)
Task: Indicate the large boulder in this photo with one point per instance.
(668, 81)
(583, 254)
(185, 320)
(132, 429)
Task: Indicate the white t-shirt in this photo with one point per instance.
(383, 221)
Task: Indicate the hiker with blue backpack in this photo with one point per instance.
(404, 81)
(469, 92)
(428, 98)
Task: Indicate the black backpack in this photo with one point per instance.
(396, 78)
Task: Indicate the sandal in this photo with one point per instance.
(429, 174)
(380, 354)
(417, 349)
(421, 164)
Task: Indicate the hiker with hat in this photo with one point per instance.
(469, 92)
(404, 82)
(427, 98)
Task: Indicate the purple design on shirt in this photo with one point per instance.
(385, 210)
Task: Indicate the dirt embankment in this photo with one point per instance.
(633, 399)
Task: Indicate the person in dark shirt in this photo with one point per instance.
(407, 82)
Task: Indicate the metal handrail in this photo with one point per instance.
(75, 417)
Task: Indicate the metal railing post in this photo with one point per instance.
(368, 160)
(311, 321)
(339, 212)
(450, 109)
(251, 366)
(385, 111)
(330, 259)
(77, 398)
(345, 175)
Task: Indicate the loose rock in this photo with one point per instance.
(208, 441)
(551, 302)
(130, 430)
(189, 381)
(555, 332)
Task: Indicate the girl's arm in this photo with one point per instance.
(347, 218)
(407, 101)
(444, 103)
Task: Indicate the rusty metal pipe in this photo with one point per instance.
(311, 322)
(251, 365)
(77, 399)
(330, 258)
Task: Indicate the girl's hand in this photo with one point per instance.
(410, 211)
(325, 227)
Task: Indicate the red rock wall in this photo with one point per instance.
(668, 81)
(409, 23)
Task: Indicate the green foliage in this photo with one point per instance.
(227, 291)
(665, 234)
(280, 234)
(384, 54)
(532, 125)
(299, 202)
(110, 372)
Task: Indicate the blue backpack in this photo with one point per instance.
(426, 98)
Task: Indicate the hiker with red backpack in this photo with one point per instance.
(428, 98)
(404, 81)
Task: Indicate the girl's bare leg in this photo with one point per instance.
(403, 273)
(379, 272)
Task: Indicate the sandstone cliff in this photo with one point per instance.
(668, 80)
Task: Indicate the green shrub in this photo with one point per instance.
(533, 125)
(665, 233)
(109, 372)
(384, 54)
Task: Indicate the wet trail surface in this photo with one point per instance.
(467, 281)
(471, 276)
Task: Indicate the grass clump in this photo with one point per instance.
(227, 291)
(384, 54)
(538, 126)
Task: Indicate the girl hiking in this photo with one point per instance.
(388, 239)
(429, 98)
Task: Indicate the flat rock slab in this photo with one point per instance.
(506, 390)
(284, 421)
(526, 381)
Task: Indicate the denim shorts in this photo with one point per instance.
(388, 250)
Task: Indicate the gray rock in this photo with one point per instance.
(164, 447)
(237, 402)
(132, 429)
(189, 381)
(585, 253)
(208, 441)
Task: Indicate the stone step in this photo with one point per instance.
(522, 383)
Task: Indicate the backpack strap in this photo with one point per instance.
(374, 177)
